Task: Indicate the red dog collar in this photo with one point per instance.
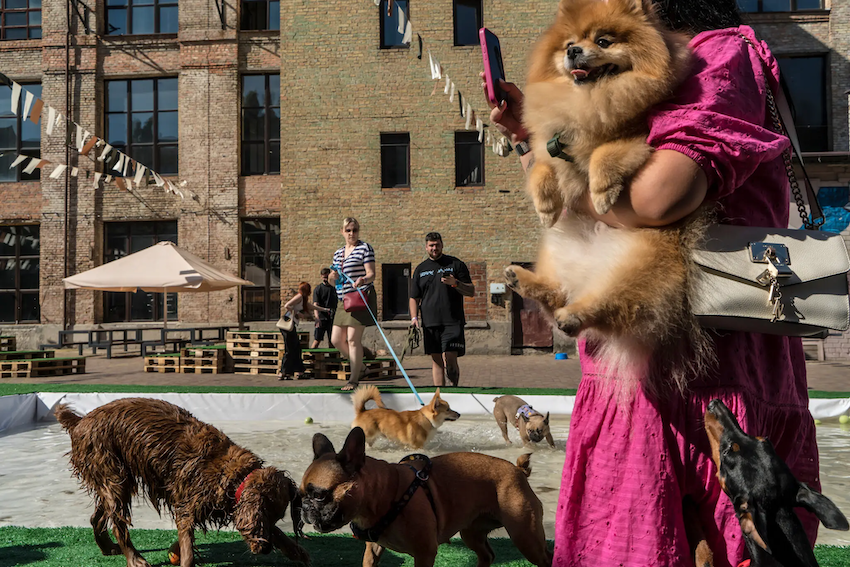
(242, 485)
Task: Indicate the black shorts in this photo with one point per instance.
(444, 338)
(325, 326)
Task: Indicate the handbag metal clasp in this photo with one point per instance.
(775, 256)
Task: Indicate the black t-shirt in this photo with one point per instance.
(325, 296)
(440, 304)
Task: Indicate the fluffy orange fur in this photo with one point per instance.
(594, 75)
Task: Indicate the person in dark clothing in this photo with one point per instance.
(437, 290)
(291, 365)
(324, 296)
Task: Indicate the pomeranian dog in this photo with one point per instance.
(593, 78)
(409, 428)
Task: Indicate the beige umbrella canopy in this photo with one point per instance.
(162, 267)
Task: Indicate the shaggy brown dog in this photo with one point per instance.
(138, 445)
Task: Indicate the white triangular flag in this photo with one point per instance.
(401, 20)
(58, 171)
(97, 175)
(140, 171)
(119, 164)
(127, 161)
(79, 136)
(448, 84)
(129, 182)
(16, 97)
(408, 33)
(431, 63)
(59, 120)
(468, 116)
(157, 179)
(452, 93)
(479, 125)
(51, 119)
(32, 165)
(377, 2)
(18, 161)
(463, 106)
(75, 171)
(107, 179)
(27, 105)
(105, 153)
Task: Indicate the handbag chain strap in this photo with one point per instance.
(786, 127)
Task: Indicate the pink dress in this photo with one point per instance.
(628, 467)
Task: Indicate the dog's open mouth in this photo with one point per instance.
(582, 75)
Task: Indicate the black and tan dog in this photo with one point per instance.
(532, 425)
(468, 493)
(764, 492)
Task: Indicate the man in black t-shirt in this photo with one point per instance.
(324, 296)
(436, 294)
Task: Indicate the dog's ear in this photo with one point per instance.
(635, 6)
(753, 523)
(352, 457)
(321, 446)
(546, 419)
(792, 529)
(822, 507)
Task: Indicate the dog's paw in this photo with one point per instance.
(568, 322)
(508, 442)
(549, 208)
(511, 277)
(603, 200)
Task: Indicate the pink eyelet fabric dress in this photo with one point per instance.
(628, 466)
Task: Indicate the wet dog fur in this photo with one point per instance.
(409, 428)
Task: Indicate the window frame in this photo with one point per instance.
(267, 139)
(472, 135)
(158, 306)
(792, 8)
(825, 99)
(18, 292)
(155, 145)
(480, 21)
(20, 176)
(271, 309)
(394, 145)
(128, 17)
(388, 270)
(382, 17)
(268, 4)
(3, 27)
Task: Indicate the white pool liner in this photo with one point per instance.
(26, 409)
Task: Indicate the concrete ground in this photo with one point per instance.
(530, 371)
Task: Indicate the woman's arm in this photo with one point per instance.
(369, 277)
(316, 308)
(292, 302)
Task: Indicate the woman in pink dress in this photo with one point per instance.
(630, 465)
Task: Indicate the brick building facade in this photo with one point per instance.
(348, 95)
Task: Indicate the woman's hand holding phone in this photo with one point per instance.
(507, 116)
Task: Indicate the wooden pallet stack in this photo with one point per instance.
(321, 362)
(255, 352)
(42, 367)
(376, 369)
(210, 359)
(163, 363)
(8, 344)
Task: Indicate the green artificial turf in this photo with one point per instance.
(67, 547)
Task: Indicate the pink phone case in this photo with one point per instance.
(488, 40)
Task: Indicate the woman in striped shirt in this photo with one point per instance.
(357, 261)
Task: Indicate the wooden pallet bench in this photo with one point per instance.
(42, 367)
(321, 362)
(14, 374)
(254, 345)
(256, 353)
(250, 369)
(8, 343)
(163, 363)
(26, 354)
(203, 359)
(376, 369)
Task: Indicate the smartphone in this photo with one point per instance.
(494, 69)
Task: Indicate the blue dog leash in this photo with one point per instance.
(380, 330)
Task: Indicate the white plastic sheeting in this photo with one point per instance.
(25, 409)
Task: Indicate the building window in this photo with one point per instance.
(122, 239)
(807, 81)
(395, 160)
(261, 265)
(468, 20)
(19, 274)
(779, 5)
(141, 121)
(20, 19)
(393, 21)
(141, 16)
(260, 124)
(396, 291)
(260, 15)
(469, 160)
(18, 135)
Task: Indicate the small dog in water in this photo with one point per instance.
(467, 492)
(139, 445)
(532, 425)
(410, 428)
(764, 492)
(594, 76)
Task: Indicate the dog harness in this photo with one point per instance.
(526, 411)
(420, 478)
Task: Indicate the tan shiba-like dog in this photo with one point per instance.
(410, 428)
(594, 76)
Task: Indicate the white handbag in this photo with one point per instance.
(286, 322)
(770, 280)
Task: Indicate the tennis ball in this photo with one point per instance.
(173, 558)
(818, 422)
(844, 419)
(308, 420)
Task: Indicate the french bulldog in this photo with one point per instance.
(533, 426)
(468, 493)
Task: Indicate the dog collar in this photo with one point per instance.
(556, 148)
(420, 478)
(242, 485)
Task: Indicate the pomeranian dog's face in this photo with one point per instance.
(595, 39)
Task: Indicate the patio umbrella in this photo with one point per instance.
(161, 268)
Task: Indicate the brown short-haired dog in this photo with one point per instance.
(467, 492)
(532, 425)
(135, 445)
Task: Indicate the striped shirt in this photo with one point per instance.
(353, 265)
